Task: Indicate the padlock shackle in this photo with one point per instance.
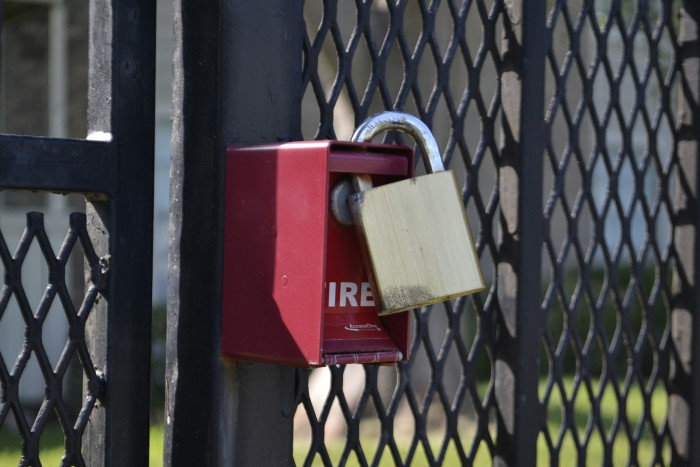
(405, 123)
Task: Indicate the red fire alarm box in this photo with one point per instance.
(295, 288)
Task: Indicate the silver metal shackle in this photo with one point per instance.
(364, 133)
(408, 124)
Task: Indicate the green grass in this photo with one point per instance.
(52, 438)
(567, 454)
(52, 447)
(632, 409)
(335, 450)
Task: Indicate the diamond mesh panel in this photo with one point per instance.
(36, 318)
(438, 61)
(610, 176)
(608, 254)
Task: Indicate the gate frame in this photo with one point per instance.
(113, 168)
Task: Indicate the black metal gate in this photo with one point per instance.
(109, 323)
(573, 126)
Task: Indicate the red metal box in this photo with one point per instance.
(295, 288)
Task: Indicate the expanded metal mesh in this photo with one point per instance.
(610, 178)
(34, 316)
(608, 250)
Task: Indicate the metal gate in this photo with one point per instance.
(109, 323)
(573, 127)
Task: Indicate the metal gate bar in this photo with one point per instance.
(58, 165)
(521, 225)
(121, 102)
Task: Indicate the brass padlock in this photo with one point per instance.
(415, 232)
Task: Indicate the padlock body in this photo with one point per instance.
(295, 287)
(418, 242)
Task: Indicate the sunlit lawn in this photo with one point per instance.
(568, 452)
(52, 439)
(52, 447)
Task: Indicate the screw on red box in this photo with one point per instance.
(295, 288)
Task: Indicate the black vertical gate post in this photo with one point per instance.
(121, 104)
(237, 80)
(519, 264)
(684, 392)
